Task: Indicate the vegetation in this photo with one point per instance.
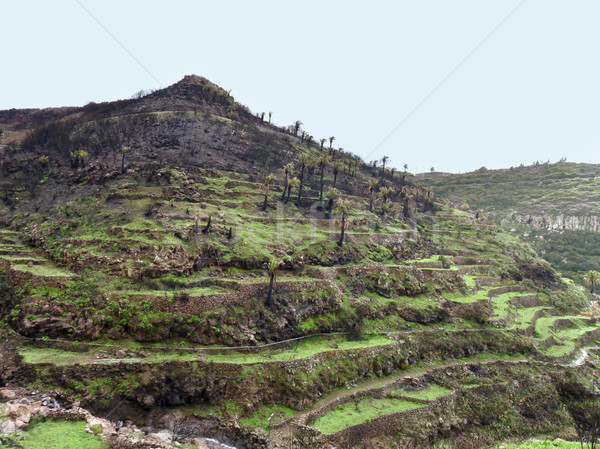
(70, 434)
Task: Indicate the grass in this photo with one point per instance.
(61, 435)
(353, 413)
(301, 350)
(44, 270)
(541, 444)
(431, 392)
(260, 418)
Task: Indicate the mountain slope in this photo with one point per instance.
(173, 275)
(554, 207)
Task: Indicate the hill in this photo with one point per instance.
(554, 207)
(153, 272)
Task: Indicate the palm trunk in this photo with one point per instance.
(371, 204)
(321, 193)
(329, 207)
(341, 241)
(288, 195)
(285, 186)
(207, 228)
(264, 206)
(382, 171)
(270, 295)
(301, 185)
(335, 175)
(123, 164)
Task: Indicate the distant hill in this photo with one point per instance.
(556, 207)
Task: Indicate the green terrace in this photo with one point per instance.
(296, 350)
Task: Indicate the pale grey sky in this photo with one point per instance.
(350, 69)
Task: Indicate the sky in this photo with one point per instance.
(431, 83)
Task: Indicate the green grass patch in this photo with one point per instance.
(61, 434)
(260, 418)
(44, 270)
(541, 444)
(353, 413)
(433, 391)
(300, 350)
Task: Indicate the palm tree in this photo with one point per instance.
(262, 116)
(331, 139)
(266, 187)
(385, 193)
(405, 167)
(592, 278)
(344, 208)
(287, 168)
(392, 171)
(77, 157)
(322, 142)
(296, 127)
(322, 163)
(384, 159)
(336, 170)
(270, 114)
(371, 188)
(303, 164)
(309, 140)
(124, 150)
(330, 199)
(293, 183)
(273, 265)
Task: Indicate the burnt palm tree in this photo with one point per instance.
(266, 188)
(330, 199)
(296, 127)
(336, 170)
(322, 142)
(273, 265)
(262, 116)
(371, 189)
(384, 159)
(293, 183)
(303, 164)
(287, 168)
(270, 114)
(124, 150)
(343, 208)
(331, 139)
(322, 163)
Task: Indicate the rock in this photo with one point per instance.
(121, 354)
(21, 424)
(7, 395)
(200, 443)
(7, 426)
(164, 436)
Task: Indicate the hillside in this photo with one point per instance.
(554, 207)
(177, 291)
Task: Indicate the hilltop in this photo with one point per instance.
(554, 207)
(153, 272)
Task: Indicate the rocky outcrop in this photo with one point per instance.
(557, 222)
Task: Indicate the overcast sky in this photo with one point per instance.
(458, 85)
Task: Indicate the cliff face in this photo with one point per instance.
(555, 222)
